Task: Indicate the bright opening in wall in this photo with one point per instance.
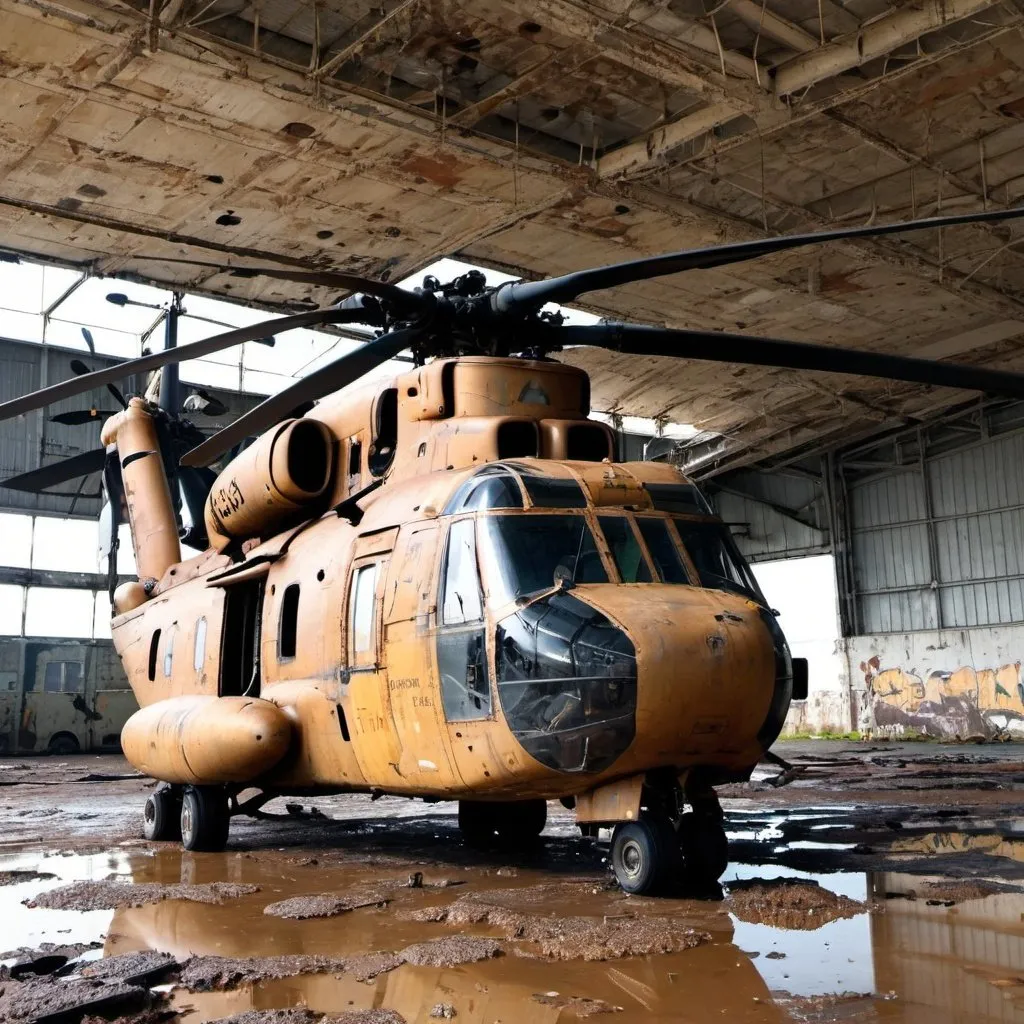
(803, 591)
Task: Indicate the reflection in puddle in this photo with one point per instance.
(944, 963)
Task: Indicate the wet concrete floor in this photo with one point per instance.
(881, 884)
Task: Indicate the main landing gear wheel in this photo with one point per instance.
(161, 819)
(204, 819)
(704, 846)
(484, 822)
(645, 856)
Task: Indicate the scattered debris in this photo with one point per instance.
(44, 998)
(580, 1006)
(206, 973)
(18, 877)
(372, 965)
(443, 1011)
(796, 903)
(301, 908)
(569, 937)
(110, 894)
(147, 968)
(449, 952)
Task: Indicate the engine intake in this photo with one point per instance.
(287, 470)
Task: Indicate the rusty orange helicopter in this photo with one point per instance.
(447, 586)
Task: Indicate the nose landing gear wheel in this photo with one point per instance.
(204, 819)
(645, 856)
(161, 819)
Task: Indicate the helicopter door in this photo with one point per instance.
(367, 680)
(461, 643)
(240, 647)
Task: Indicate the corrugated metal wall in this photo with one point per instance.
(939, 543)
(773, 515)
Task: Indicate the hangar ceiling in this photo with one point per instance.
(541, 137)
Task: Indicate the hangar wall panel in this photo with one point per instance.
(773, 515)
(937, 547)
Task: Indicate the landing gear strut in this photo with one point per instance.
(666, 849)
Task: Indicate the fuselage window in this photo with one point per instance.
(154, 645)
(461, 580)
(461, 646)
(364, 587)
(525, 554)
(289, 622)
(199, 656)
(626, 552)
(664, 553)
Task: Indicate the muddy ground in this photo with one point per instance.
(882, 883)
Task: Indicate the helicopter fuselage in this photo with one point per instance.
(500, 625)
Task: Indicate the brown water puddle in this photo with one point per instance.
(916, 959)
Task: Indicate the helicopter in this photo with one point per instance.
(447, 586)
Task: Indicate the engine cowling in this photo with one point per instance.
(287, 470)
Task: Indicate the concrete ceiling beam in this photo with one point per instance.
(873, 40)
(760, 18)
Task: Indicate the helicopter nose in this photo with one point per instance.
(567, 683)
(714, 682)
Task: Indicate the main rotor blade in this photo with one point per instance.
(795, 355)
(525, 295)
(80, 416)
(335, 375)
(59, 472)
(323, 278)
(88, 381)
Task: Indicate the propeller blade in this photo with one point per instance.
(87, 334)
(795, 355)
(323, 278)
(98, 378)
(525, 295)
(80, 416)
(332, 377)
(78, 367)
(58, 472)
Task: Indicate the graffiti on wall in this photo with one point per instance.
(963, 704)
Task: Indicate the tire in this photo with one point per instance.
(644, 856)
(704, 846)
(63, 744)
(478, 821)
(161, 819)
(520, 822)
(204, 819)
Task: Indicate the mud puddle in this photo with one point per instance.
(512, 943)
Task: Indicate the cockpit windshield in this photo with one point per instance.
(522, 553)
(718, 564)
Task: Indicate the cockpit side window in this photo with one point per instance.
(554, 492)
(713, 554)
(625, 549)
(660, 543)
(461, 648)
(462, 601)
